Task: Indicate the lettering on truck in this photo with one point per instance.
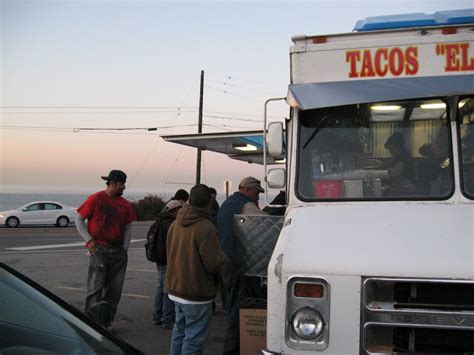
(397, 61)
(457, 56)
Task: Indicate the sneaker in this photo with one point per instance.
(168, 325)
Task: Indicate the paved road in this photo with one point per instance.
(56, 258)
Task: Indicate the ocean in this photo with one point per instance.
(12, 200)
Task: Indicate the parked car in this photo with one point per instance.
(40, 212)
(35, 321)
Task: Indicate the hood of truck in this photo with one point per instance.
(378, 239)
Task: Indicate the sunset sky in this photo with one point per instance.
(69, 66)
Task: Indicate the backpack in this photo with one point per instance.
(155, 246)
(160, 240)
(151, 238)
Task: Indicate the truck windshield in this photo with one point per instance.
(388, 150)
(466, 127)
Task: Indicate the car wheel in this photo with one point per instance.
(62, 222)
(12, 222)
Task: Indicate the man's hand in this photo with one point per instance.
(91, 245)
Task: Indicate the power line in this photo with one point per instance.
(186, 98)
(175, 116)
(79, 129)
(94, 112)
(126, 112)
(232, 118)
(243, 114)
(230, 77)
(99, 107)
(224, 125)
(226, 84)
(231, 93)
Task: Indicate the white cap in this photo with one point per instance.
(250, 181)
(171, 205)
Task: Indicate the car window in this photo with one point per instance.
(35, 207)
(52, 206)
(31, 322)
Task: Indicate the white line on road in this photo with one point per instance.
(141, 270)
(70, 288)
(52, 251)
(50, 246)
(136, 296)
(55, 246)
(83, 290)
(44, 251)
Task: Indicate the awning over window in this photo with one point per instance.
(245, 146)
(316, 95)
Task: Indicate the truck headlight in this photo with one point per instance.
(307, 318)
(307, 323)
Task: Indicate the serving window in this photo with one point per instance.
(387, 150)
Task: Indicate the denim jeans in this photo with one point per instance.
(191, 328)
(107, 268)
(163, 307)
(231, 285)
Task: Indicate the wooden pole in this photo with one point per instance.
(198, 160)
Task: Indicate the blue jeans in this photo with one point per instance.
(231, 285)
(191, 328)
(107, 268)
(163, 307)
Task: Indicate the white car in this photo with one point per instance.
(40, 212)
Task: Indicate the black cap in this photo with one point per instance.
(115, 176)
(395, 139)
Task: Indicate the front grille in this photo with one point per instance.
(433, 295)
(417, 316)
(432, 340)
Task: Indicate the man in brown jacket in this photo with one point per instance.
(194, 259)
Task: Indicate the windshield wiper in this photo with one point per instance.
(318, 127)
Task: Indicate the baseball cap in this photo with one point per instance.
(171, 205)
(115, 176)
(250, 181)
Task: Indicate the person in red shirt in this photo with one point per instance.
(107, 234)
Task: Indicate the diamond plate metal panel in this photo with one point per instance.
(255, 238)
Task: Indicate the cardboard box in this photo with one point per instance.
(253, 331)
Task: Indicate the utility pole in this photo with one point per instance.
(198, 160)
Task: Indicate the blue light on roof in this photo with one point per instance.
(419, 19)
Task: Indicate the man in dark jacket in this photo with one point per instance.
(163, 311)
(244, 201)
(194, 259)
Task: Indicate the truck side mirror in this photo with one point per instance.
(275, 139)
(276, 178)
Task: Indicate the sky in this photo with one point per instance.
(74, 74)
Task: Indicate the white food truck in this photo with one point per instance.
(375, 255)
(376, 252)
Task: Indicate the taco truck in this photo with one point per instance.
(375, 251)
